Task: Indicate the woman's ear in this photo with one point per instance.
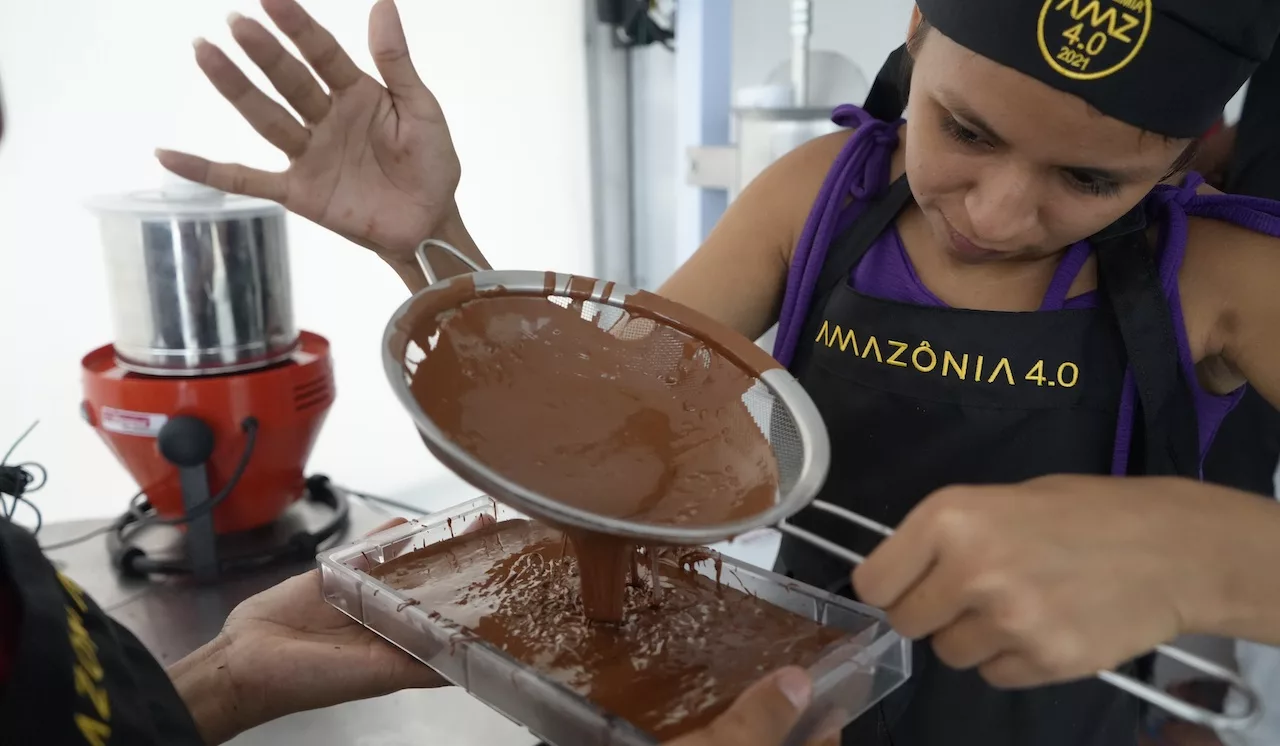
(916, 18)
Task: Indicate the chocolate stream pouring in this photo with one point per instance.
(572, 383)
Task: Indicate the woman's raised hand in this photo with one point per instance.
(372, 162)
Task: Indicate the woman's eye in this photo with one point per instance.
(1091, 183)
(959, 132)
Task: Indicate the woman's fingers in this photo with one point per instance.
(762, 716)
(931, 604)
(1013, 671)
(968, 642)
(228, 177)
(317, 45)
(390, 52)
(268, 118)
(288, 75)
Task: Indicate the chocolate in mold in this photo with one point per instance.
(667, 668)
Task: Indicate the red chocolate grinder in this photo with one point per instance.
(209, 396)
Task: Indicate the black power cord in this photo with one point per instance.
(15, 483)
(113, 526)
(250, 427)
(301, 546)
(19, 480)
(374, 501)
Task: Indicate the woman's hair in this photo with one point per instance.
(916, 40)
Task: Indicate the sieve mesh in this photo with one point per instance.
(459, 370)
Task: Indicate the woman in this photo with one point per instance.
(1003, 289)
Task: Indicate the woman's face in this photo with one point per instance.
(1006, 167)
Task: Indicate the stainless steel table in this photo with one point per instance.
(173, 617)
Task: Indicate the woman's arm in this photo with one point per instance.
(738, 275)
(205, 687)
(1231, 298)
(453, 232)
(1056, 578)
(1231, 303)
(1237, 593)
(374, 162)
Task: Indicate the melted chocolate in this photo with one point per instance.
(644, 423)
(639, 421)
(666, 668)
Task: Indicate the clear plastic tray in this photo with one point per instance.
(853, 675)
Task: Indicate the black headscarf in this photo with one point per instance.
(1166, 66)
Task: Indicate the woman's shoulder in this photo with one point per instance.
(1226, 279)
(813, 159)
(781, 199)
(1230, 227)
(797, 178)
(805, 168)
(790, 185)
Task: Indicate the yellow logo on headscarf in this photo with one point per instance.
(1091, 39)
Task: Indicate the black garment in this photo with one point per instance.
(916, 398)
(1246, 451)
(79, 677)
(1255, 163)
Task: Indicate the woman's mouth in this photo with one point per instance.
(964, 248)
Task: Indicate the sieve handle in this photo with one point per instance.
(1179, 708)
(448, 248)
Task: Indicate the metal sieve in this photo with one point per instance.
(774, 406)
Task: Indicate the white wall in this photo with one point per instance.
(91, 87)
(865, 31)
(655, 174)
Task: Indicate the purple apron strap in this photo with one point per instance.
(1173, 205)
(1056, 297)
(861, 170)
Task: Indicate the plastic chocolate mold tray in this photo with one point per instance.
(853, 675)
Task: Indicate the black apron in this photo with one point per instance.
(917, 398)
(78, 677)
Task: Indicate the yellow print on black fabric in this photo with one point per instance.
(1091, 39)
(923, 358)
(88, 672)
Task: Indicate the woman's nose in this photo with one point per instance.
(1003, 208)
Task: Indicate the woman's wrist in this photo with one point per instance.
(206, 687)
(452, 231)
(1235, 589)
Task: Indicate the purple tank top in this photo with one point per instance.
(862, 170)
